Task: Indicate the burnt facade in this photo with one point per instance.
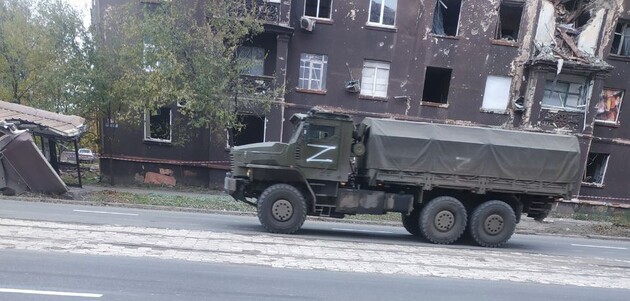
(539, 65)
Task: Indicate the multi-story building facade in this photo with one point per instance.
(537, 65)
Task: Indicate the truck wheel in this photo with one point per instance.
(281, 209)
(411, 222)
(492, 224)
(443, 220)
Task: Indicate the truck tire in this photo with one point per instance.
(411, 222)
(281, 209)
(443, 220)
(492, 224)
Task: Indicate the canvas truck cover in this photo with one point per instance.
(471, 151)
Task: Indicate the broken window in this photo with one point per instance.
(383, 12)
(609, 105)
(621, 41)
(318, 8)
(497, 93)
(446, 17)
(157, 125)
(509, 20)
(436, 84)
(375, 78)
(253, 130)
(562, 94)
(313, 71)
(253, 59)
(595, 170)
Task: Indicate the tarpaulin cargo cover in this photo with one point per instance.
(471, 151)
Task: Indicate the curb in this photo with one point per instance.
(245, 213)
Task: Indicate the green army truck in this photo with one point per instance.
(445, 180)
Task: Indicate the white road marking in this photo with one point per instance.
(363, 231)
(49, 293)
(600, 247)
(105, 212)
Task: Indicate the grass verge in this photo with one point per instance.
(209, 202)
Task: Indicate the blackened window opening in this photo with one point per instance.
(509, 21)
(160, 124)
(436, 85)
(446, 17)
(595, 168)
(253, 130)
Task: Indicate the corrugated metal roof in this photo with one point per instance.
(67, 126)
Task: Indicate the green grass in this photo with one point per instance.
(210, 202)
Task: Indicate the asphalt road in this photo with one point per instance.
(539, 244)
(38, 276)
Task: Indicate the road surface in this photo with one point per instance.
(63, 252)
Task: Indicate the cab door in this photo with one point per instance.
(319, 146)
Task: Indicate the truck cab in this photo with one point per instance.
(312, 164)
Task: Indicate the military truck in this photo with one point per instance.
(445, 180)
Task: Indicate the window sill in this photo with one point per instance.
(593, 185)
(617, 57)
(434, 104)
(375, 98)
(318, 92)
(381, 27)
(504, 43)
(158, 142)
(445, 37)
(321, 20)
(607, 123)
(490, 111)
(562, 109)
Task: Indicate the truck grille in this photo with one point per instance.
(232, 165)
(298, 153)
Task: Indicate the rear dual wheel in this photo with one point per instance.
(492, 224)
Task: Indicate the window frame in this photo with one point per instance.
(382, 11)
(616, 121)
(582, 100)
(310, 79)
(625, 24)
(375, 82)
(318, 7)
(251, 59)
(603, 173)
(147, 126)
(485, 93)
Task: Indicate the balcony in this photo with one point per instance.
(267, 11)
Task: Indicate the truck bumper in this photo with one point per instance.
(235, 187)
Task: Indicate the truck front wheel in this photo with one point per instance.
(443, 220)
(492, 224)
(281, 209)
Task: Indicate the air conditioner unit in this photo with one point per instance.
(307, 23)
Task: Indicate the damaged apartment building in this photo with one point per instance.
(556, 66)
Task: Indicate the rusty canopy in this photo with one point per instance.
(42, 122)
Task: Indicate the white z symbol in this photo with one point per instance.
(325, 148)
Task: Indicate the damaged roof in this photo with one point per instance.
(41, 121)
